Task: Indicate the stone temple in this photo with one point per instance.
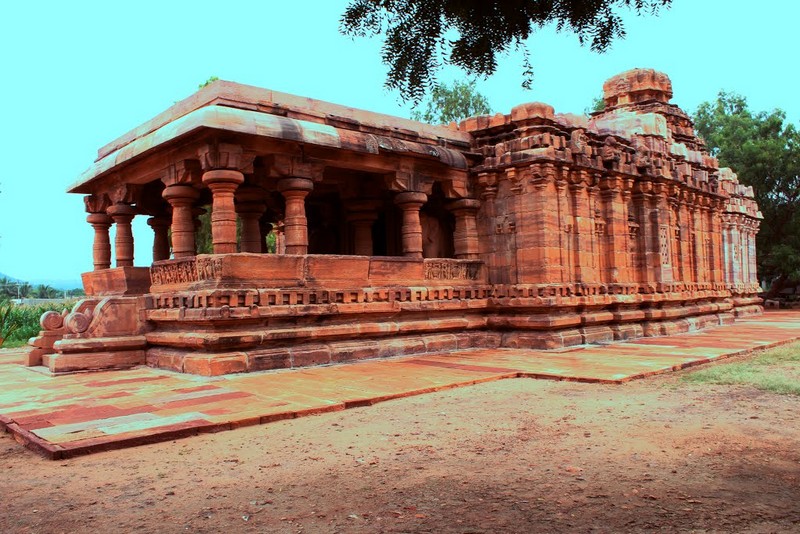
(528, 230)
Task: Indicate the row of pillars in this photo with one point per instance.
(229, 202)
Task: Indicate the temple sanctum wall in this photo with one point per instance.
(530, 230)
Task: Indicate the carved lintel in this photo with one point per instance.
(184, 172)
(98, 203)
(125, 193)
(287, 166)
(220, 156)
(405, 178)
(455, 184)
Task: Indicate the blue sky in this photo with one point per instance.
(76, 75)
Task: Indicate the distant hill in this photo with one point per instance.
(58, 284)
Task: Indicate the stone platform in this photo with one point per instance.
(65, 416)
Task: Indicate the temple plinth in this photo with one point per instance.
(340, 234)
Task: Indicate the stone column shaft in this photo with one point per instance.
(250, 206)
(160, 228)
(410, 202)
(465, 236)
(295, 224)
(123, 243)
(585, 271)
(181, 198)
(662, 251)
(617, 234)
(223, 184)
(101, 248)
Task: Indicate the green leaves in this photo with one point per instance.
(452, 103)
(9, 323)
(422, 35)
(764, 152)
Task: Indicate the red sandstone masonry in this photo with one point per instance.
(530, 229)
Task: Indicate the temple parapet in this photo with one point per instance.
(338, 234)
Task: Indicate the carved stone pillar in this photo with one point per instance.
(160, 226)
(617, 233)
(465, 236)
(361, 215)
(182, 198)
(101, 248)
(295, 224)
(250, 206)
(585, 271)
(123, 244)
(716, 242)
(753, 262)
(223, 184)
(684, 251)
(410, 202)
(662, 267)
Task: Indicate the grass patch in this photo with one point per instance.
(20, 323)
(775, 370)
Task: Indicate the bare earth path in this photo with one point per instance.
(506, 456)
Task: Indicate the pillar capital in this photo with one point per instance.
(222, 177)
(470, 204)
(410, 198)
(121, 212)
(184, 172)
(96, 203)
(180, 195)
(224, 156)
(295, 184)
(99, 219)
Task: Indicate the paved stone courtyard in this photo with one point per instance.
(64, 416)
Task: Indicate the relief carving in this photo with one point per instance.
(444, 269)
(174, 272)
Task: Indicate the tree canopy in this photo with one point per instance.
(765, 152)
(422, 35)
(452, 103)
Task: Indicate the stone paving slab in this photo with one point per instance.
(64, 416)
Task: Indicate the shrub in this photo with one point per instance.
(26, 320)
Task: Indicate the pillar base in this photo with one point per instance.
(117, 281)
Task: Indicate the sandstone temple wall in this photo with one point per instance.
(527, 229)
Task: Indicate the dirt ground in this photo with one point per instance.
(510, 456)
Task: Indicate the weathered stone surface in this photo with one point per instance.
(529, 230)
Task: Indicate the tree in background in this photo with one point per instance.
(422, 35)
(452, 103)
(44, 291)
(765, 152)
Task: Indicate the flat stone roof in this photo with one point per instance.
(253, 110)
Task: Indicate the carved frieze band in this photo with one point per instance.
(174, 272)
(444, 269)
